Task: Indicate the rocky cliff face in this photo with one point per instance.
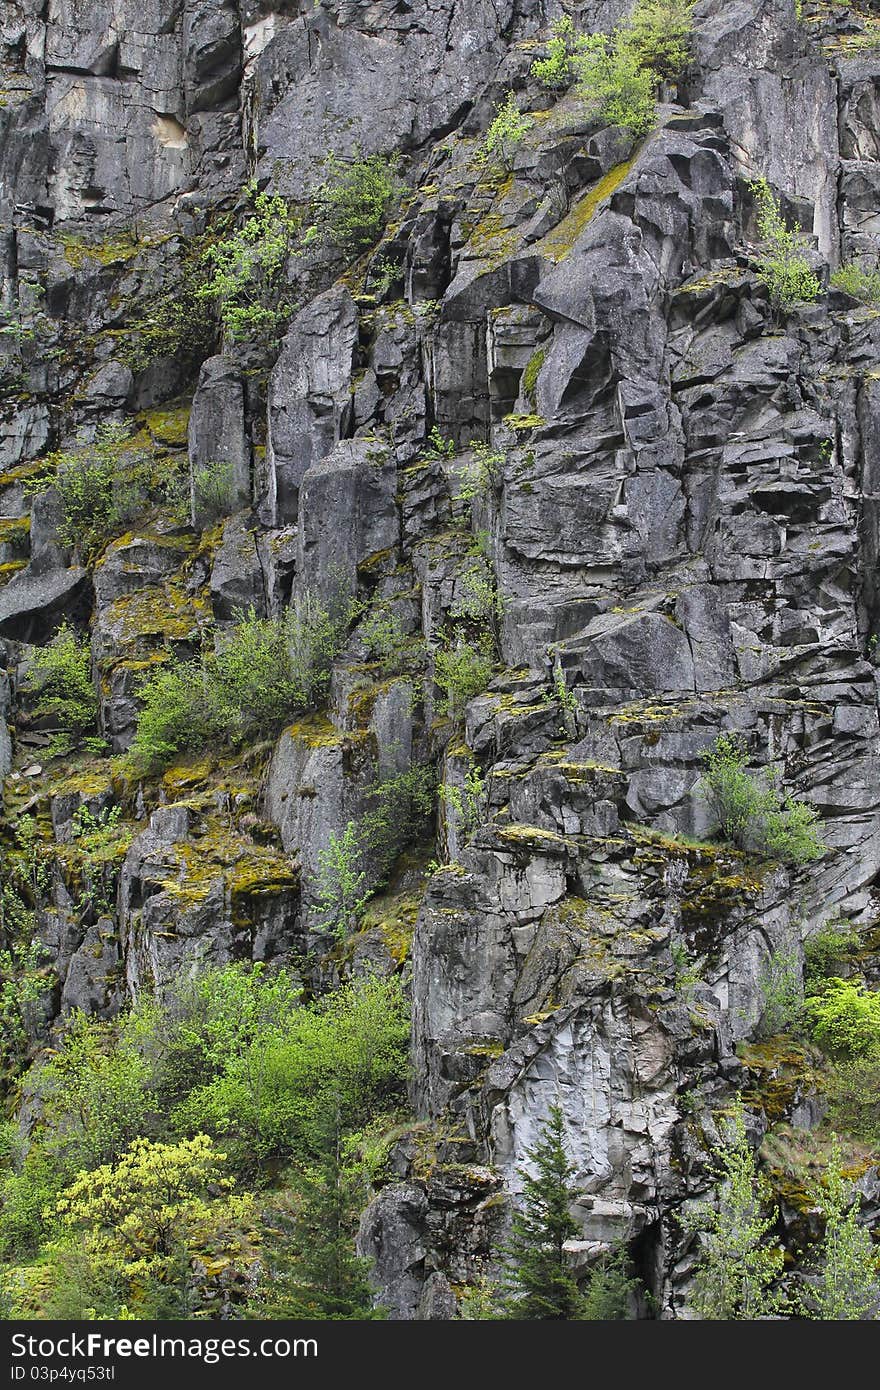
(681, 520)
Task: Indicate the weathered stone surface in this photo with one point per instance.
(309, 397)
(33, 604)
(217, 434)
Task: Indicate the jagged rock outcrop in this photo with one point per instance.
(676, 527)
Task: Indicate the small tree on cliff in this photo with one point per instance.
(539, 1280)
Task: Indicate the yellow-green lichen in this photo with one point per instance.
(558, 242)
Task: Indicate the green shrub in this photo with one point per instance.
(739, 1261)
(479, 602)
(400, 812)
(753, 815)
(782, 263)
(102, 487)
(263, 672)
(67, 692)
(483, 473)
(252, 684)
(24, 980)
(387, 643)
(843, 1283)
(852, 1090)
(348, 1051)
(505, 134)
(781, 987)
(174, 716)
(342, 884)
(555, 70)
(245, 272)
(658, 33)
(213, 492)
(845, 1018)
(438, 447)
(463, 668)
(613, 83)
(355, 200)
(861, 284)
(827, 949)
(177, 322)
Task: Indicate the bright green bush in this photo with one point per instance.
(263, 672)
(67, 692)
(827, 949)
(505, 134)
(387, 643)
(861, 284)
(781, 987)
(342, 883)
(355, 200)
(845, 1018)
(347, 1052)
(613, 83)
(174, 716)
(252, 686)
(555, 70)
(244, 272)
(782, 263)
(463, 668)
(658, 33)
(102, 487)
(213, 492)
(754, 815)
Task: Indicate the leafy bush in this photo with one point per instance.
(843, 1284)
(782, 993)
(383, 635)
(355, 200)
(467, 801)
(213, 492)
(263, 672)
(782, 264)
(479, 601)
(656, 38)
(355, 860)
(861, 284)
(101, 486)
(845, 1018)
(613, 83)
(483, 473)
(659, 33)
(67, 692)
(174, 716)
(23, 982)
(754, 816)
(400, 813)
(179, 321)
(738, 1262)
(144, 1217)
(852, 1090)
(555, 70)
(343, 889)
(244, 272)
(506, 132)
(828, 948)
(346, 1052)
(462, 669)
(252, 684)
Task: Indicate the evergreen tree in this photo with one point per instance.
(609, 1288)
(846, 1286)
(314, 1270)
(540, 1282)
(737, 1264)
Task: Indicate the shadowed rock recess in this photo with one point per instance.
(547, 416)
